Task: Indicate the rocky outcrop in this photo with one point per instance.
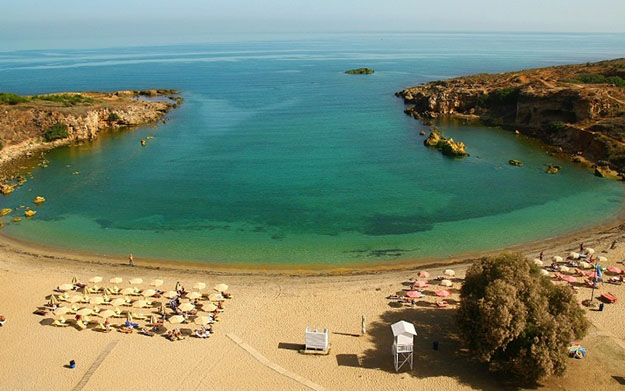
(447, 146)
(23, 125)
(563, 106)
(360, 71)
(515, 162)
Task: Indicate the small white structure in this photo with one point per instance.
(316, 339)
(403, 334)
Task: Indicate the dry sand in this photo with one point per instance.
(268, 315)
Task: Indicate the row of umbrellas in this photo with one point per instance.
(137, 281)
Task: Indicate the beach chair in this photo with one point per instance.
(81, 325)
(103, 328)
(146, 332)
(201, 335)
(442, 304)
(60, 323)
(138, 316)
(590, 284)
(40, 312)
(125, 330)
(579, 273)
(610, 298)
(114, 290)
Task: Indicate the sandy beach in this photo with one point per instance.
(255, 340)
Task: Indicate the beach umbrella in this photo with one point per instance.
(585, 265)
(76, 298)
(176, 319)
(557, 259)
(74, 280)
(61, 311)
(136, 281)
(603, 259)
(178, 286)
(106, 314)
(615, 270)
(129, 317)
(565, 269)
(156, 283)
(590, 251)
(116, 280)
(185, 307)
(442, 293)
(569, 279)
(221, 288)
(140, 304)
(423, 274)
(414, 294)
(537, 262)
(162, 308)
(573, 255)
(119, 301)
(215, 297)
(95, 279)
(209, 307)
(66, 287)
(170, 294)
(128, 291)
(97, 300)
(199, 285)
(53, 300)
(153, 320)
(84, 311)
(446, 283)
(148, 293)
(420, 284)
(202, 320)
(449, 273)
(194, 295)
(544, 272)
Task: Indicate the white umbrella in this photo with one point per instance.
(95, 279)
(106, 314)
(148, 293)
(116, 280)
(199, 285)
(557, 259)
(156, 283)
(66, 287)
(185, 307)
(590, 251)
(221, 288)
(84, 312)
(209, 307)
(76, 298)
(449, 273)
(446, 283)
(176, 319)
(119, 301)
(603, 259)
(585, 265)
(194, 295)
(202, 320)
(537, 262)
(136, 281)
(61, 311)
(573, 255)
(544, 272)
(128, 291)
(97, 300)
(170, 294)
(215, 297)
(564, 269)
(140, 304)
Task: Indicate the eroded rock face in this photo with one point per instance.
(448, 147)
(545, 103)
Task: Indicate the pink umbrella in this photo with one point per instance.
(615, 270)
(423, 274)
(420, 284)
(442, 293)
(569, 279)
(414, 294)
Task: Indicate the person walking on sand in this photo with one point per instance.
(540, 256)
(131, 260)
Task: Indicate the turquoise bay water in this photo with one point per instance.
(278, 157)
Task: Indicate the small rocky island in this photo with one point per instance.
(447, 146)
(34, 124)
(360, 71)
(579, 109)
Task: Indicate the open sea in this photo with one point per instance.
(277, 157)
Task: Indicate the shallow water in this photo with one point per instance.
(278, 157)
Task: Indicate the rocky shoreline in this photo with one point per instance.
(25, 125)
(578, 109)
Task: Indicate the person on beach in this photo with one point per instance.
(2, 320)
(613, 245)
(540, 256)
(581, 247)
(131, 260)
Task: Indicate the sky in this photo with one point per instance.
(29, 24)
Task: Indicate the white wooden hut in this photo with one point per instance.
(316, 339)
(403, 343)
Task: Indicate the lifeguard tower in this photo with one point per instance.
(403, 334)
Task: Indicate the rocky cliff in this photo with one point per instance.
(23, 125)
(580, 108)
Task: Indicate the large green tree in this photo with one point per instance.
(515, 319)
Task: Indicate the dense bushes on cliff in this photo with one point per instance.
(593, 78)
(513, 318)
(12, 99)
(66, 99)
(55, 132)
(502, 97)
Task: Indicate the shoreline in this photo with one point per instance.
(610, 230)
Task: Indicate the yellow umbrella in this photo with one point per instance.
(61, 311)
(202, 320)
(106, 291)
(136, 281)
(97, 300)
(66, 287)
(221, 288)
(194, 295)
(107, 314)
(74, 280)
(129, 317)
(156, 283)
(199, 285)
(176, 319)
(84, 312)
(128, 291)
(76, 298)
(140, 304)
(209, 307)
(186, 307)
(153, 320)
(95, 279)
(215, 297)
(148, 293)
(170, 294)
(53, 300)
(116, 280)
(119, 301)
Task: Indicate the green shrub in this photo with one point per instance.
(595, 78)
(516, 320)
(503, 97)
(113, 117)
(66, 99)
(55, 132)
(12, 99)
(556, 126)
(1, 145)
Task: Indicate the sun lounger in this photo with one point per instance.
(125, 330)
(610, 298)
(60, 323)
(590, 284)
(40, 312)
(201, 335)
(138, 316)
(442, 304)
(81, 325)
(147, 332)
(104, 329)
(579, 273)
